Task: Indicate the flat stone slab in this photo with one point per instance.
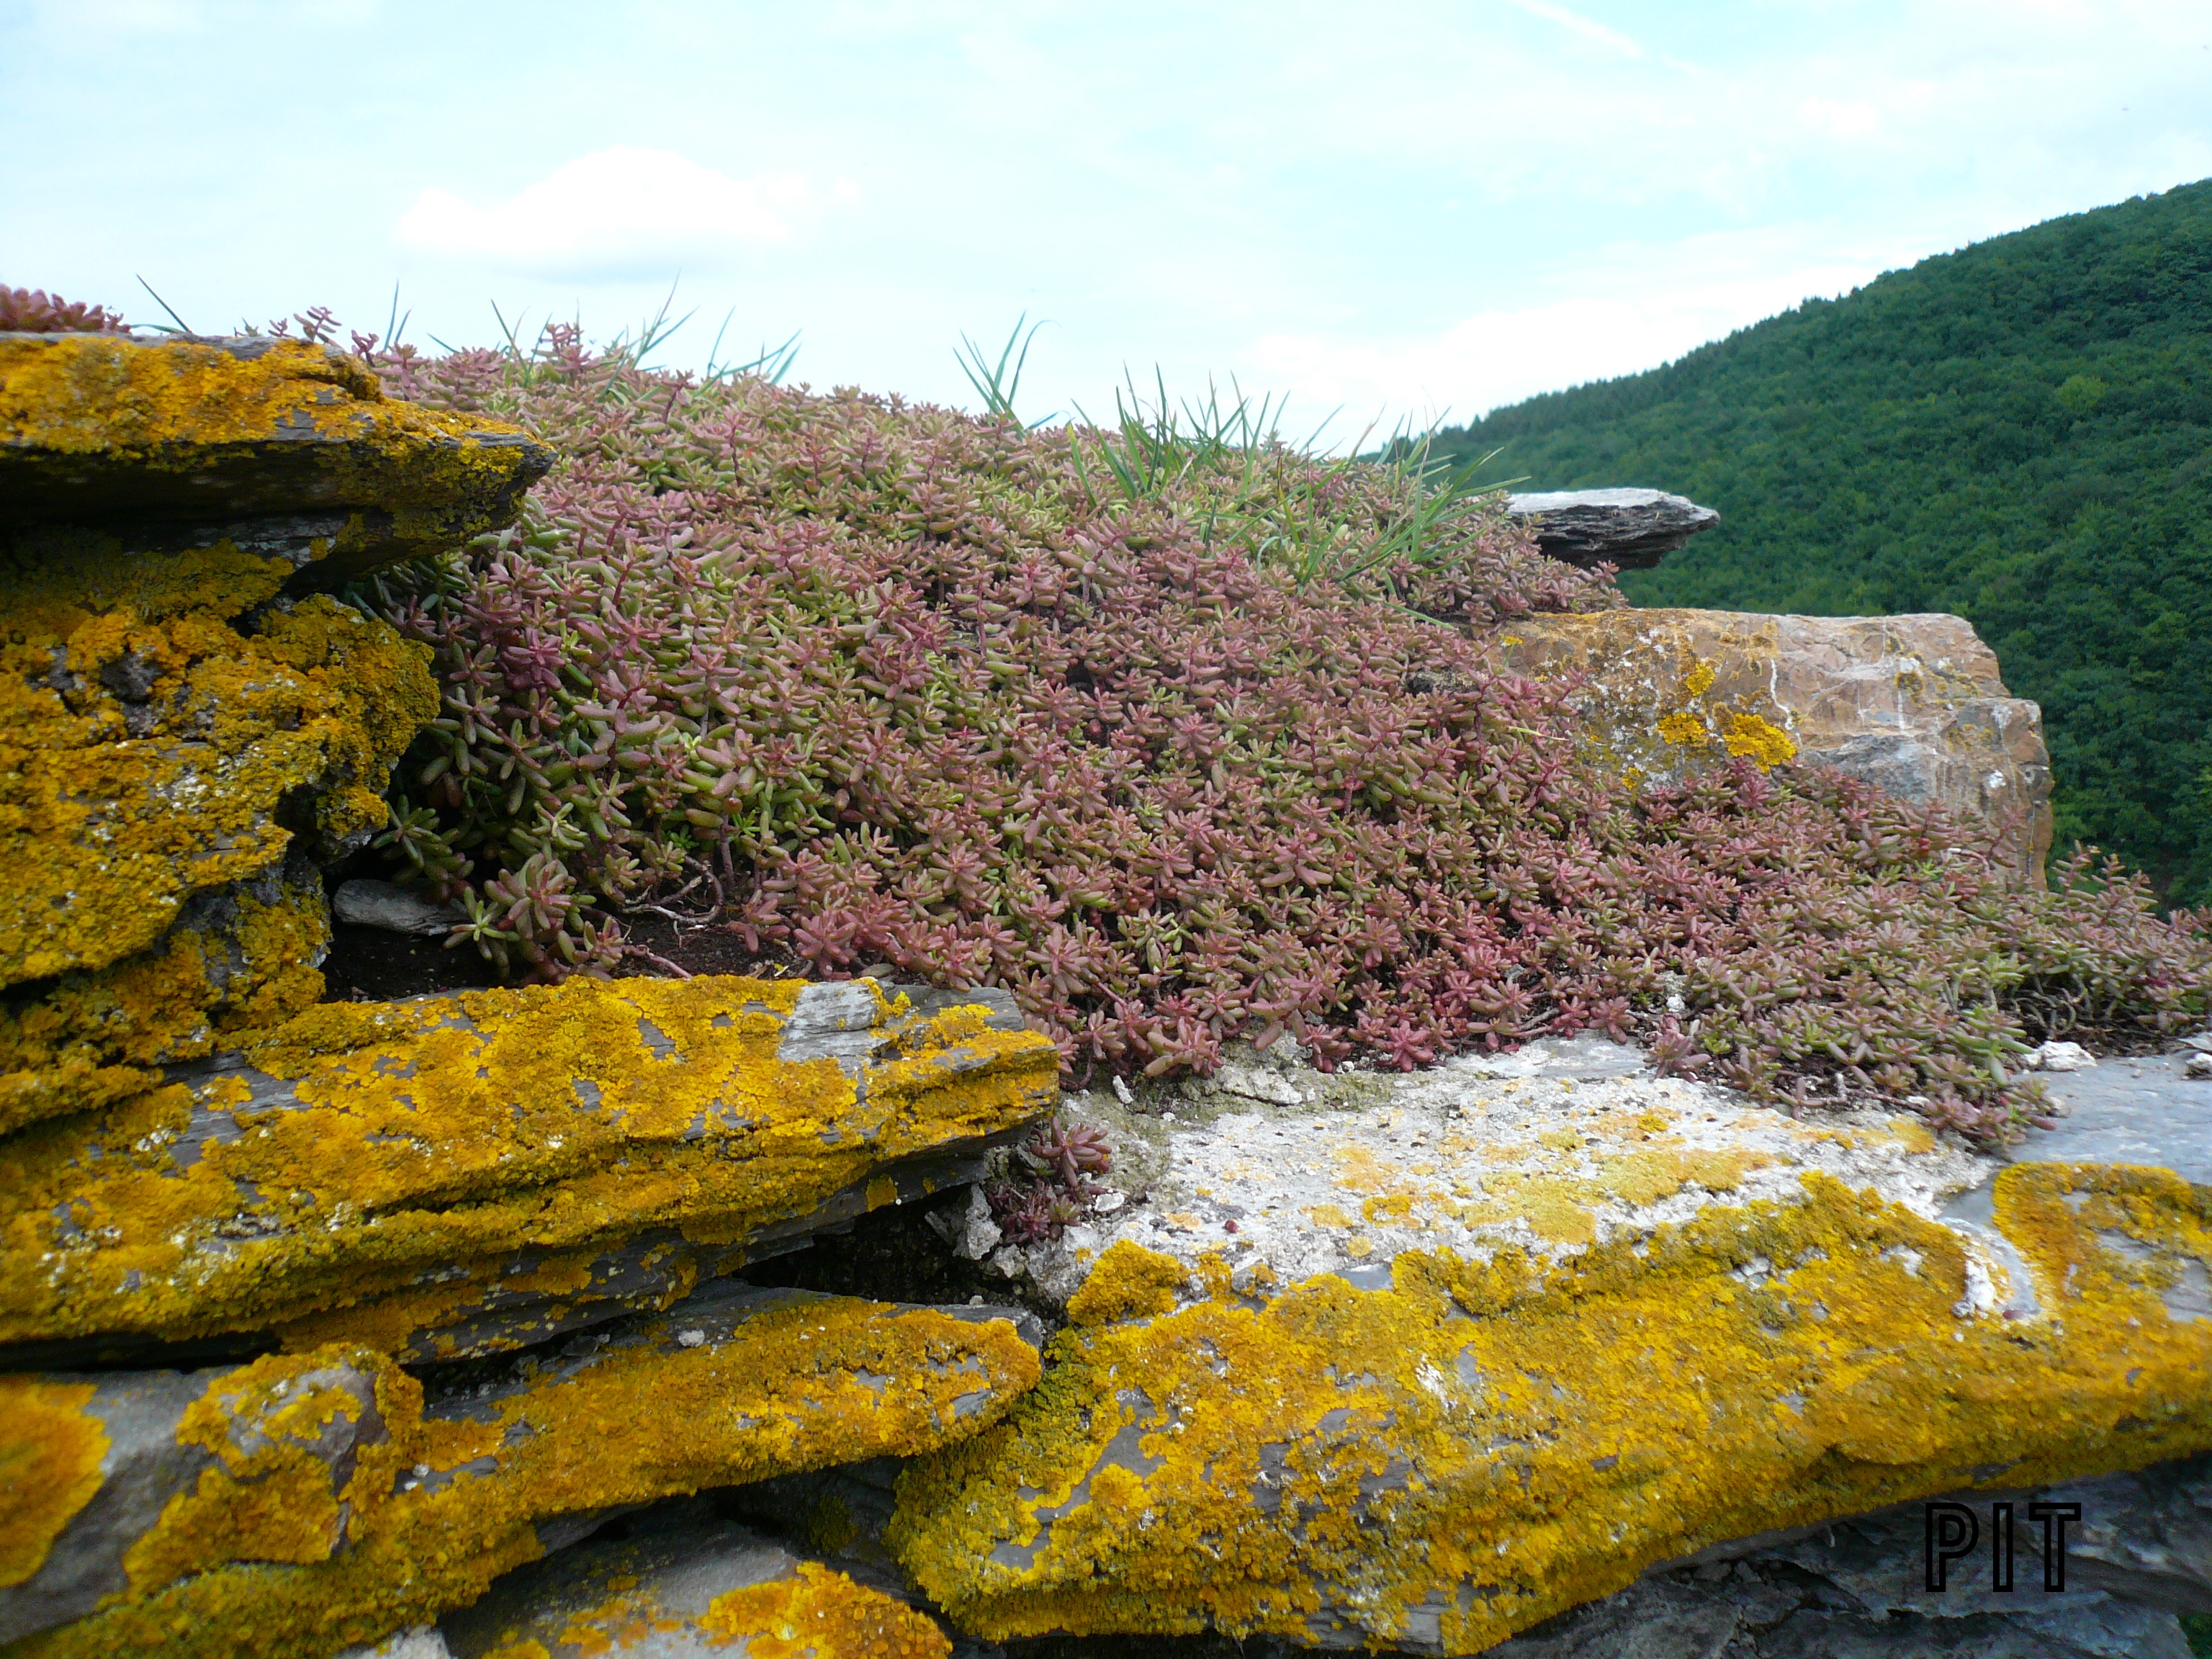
(367, 1153)
(2122, 1110)
(1279, 1173)
(102, 428)
(733, 1384)
(1631, 528)
(121, 1448)
(682, 1582)
(391, 909)
(1421, 1361)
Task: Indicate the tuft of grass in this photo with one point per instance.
(1179, 733)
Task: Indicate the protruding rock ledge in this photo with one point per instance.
(684, 1580)
(369, 1149)
(1423, 1361)
(734, 1384)
(96, 427)
(1633, 529)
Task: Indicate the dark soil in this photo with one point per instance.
(893, 1255)
(366, 964)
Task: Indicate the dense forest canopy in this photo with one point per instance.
(2019, 432)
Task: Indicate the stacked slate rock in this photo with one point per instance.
(317, 1318)
(438, 1327)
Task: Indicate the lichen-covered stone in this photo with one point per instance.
(733, 1385)
(1911, 703)
(684, 1581)
(180, 1471)
(1566, 1144)
(97, 428)
(362, 1146)
(178, 746)
(467, 1309)
(1474, 1446)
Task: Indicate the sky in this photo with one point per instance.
(1390, 212)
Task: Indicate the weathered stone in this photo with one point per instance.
(1633, 529)
(170, 771)
(95, 429)
(416, 1642)
(1566, 1144)
(363, 1149)
(1912, 704)
(165, 1472)
(466, 1309)
(684, 1582)
(1777, 1611)
(390, 908)
(1427, 1369)
(768, 1382)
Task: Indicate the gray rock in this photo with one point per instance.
(1631, 528)
(390, 907)
(416, 1642)
(646, 1588)
(2128, 1111)
(146, 1465)
(384, 470)
(950, 1103)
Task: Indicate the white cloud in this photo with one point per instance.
(618, 212)
(1498, 357)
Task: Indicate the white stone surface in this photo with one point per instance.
(1283, 1173)
(2061, 1057)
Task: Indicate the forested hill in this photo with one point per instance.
(2019, 432)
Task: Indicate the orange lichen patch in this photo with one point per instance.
(51, 1450)
(1645, 1176)
(1685, 728)
(237, 958)
(287, 424)
(271, 1495)
(800, 1386)
(817, 1614)
(146, 747)
(1129, 1282)
(1758, 740)
(1478, 1447)
(415, 1135)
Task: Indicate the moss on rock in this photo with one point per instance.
(1447, 1461)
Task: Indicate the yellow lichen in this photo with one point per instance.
(50, 1457)
(1757, 740)
(1699, 680)
(1685, 728)
(1764, 1366)
(1129, 1282)
(304, 424)
(802, 1385)
(270, 1497)
(819, 1614)
(555, 1118)
(146, 747)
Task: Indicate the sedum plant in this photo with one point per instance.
(1179, 733)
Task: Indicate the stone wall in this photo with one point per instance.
(437, 1324)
